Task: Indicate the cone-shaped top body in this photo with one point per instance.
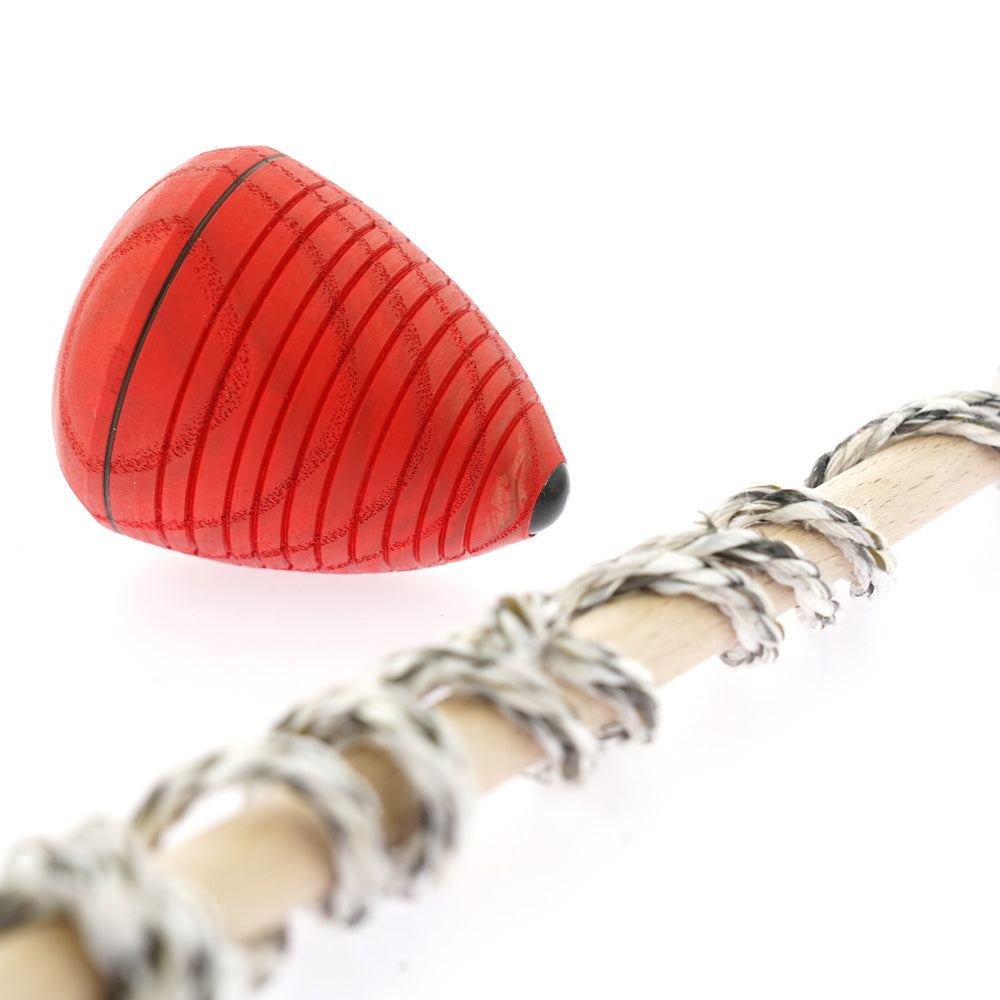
(261, 369)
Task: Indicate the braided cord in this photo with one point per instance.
(152, 936)
(866, 552)
(972, 415)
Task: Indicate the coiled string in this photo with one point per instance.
(153, 935)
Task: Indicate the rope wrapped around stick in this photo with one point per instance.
(149, 934)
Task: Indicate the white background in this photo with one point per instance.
(719, 236)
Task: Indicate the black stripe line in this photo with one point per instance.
(147, 326)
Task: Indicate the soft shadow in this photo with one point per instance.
(207, 612)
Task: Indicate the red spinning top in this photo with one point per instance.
(261, 369)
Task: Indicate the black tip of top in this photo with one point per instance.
(551, 500)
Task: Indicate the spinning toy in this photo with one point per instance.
(370, 783)
(261, 369)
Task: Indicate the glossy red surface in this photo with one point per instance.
(261, 369)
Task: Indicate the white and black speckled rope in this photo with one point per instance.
(711, 565)
(973, 415)
(871, 562)
(153, 937)
(517, 660)
(345, 804)
(419, 745)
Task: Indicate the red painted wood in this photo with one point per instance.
(261, 369)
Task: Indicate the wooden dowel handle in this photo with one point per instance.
(272, 857)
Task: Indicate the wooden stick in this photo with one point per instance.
(273, 857)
